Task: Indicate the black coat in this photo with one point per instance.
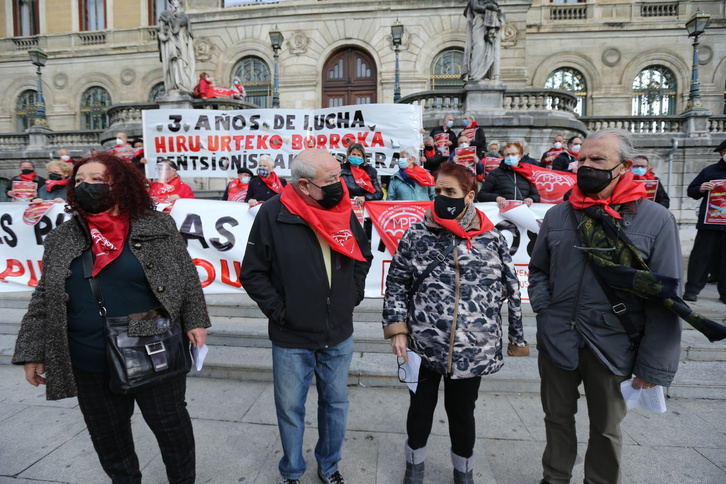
(562, 162)
(433, 163)
(354, 189)
(450, 132)
(717, 171)
(284, 272)
(259, 191)
(505, 182)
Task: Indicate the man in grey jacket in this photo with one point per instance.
(581, 331)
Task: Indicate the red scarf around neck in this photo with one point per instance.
(422, 176)
(626, 190)
(237, 191)
(162, 191)
(332, 224)
(649, 175)
(485, 225)
(362, 179)
(108, 236)
(273, 182)
(28, 178)
(49, 184)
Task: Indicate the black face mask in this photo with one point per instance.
(332, 195)
(594, 180)
(447, 207)
(55, 176)
(93, 197)
(27, 172)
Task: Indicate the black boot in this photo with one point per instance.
(463, 469)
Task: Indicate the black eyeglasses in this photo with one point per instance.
(402, 375)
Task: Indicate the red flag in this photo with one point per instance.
(392, 219)
(551, 184)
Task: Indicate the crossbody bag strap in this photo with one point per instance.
(87, 259)
(440, 257)
(618, 307)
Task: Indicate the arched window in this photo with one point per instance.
(157, 90)
(254, 73)
(446, 69)
(349, 77)
(25, 110)
(94, 103)
(654, 92)
(569, 79)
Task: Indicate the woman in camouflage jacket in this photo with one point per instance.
(456, 326)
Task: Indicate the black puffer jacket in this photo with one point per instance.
(284, 272)
(505, 182)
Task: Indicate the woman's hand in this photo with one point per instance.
(33, 370)
(528, 201)
(198, 336)
(399, 343)
(360, 201)
(252, 202)
(173, 198)
(501, 202)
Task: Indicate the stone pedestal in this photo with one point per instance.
(695, 123)
(484, 96)
(175, 100)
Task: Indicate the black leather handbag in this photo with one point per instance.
(141, 362)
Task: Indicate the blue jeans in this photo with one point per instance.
(292, 371)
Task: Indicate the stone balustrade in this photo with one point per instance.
(717, 124)
(539, 100)
(635, 124)
(14, 141)
(64, 139)
(440, 101)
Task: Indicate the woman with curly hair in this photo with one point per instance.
(144, 271)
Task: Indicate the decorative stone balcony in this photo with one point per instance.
(635, 124)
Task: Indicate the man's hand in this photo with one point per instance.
(399, 343)
(639, 383)
(501, 202)
(528, 201)
(707, 186)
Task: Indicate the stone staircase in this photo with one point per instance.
(240, 349)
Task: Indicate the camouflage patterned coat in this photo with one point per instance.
(486, 278)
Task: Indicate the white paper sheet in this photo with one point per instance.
(651, 399)
(523, 216)
(199, 354)
(411, 368)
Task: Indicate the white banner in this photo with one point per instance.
(205, 143)
(216, 236)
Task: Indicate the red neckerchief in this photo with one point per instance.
(574, 155)
(273, 182)
(108, 236)
(28, 178)
(332, 224)
(362, 179)
(649, 175)
(161, 190)
(625, 191)
(237, 190)
(485, 225)
(428, 150)
(49, 184)
(422, 176)
(471, 127)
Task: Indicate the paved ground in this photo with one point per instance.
(237, 440)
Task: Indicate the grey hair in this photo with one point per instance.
(471, 116)
(301, 167)
(627, 150)
(411, 151)
(267, 158)
(428, 138)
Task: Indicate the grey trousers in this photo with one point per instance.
(606, 409)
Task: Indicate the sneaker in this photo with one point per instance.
(289, 481)
(334, 478)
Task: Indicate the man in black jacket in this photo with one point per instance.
(305, 265)
(709, 248)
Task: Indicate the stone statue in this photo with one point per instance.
(483, 43)
(176, 49)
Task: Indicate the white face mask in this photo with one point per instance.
(464, 145)
(558, 145)
(575, 148)
(119, 141)
(65, 158)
